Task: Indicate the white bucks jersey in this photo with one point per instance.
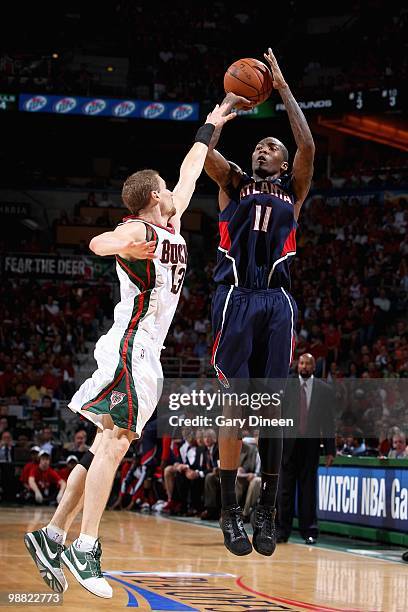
(127, 382)
(150, 289)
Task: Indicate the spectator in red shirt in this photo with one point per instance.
(25, 492)
(64, 472)
(44, 481)
(25, 472)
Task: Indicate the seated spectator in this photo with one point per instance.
(170, 462)
(36, 391)
(399, 447)
(4, 424)
(45, 483)
(47, 442)
(212, 477)
(125, 466)
(133, 491)
(372, 445)
(359, 447)
(47, 407)
(248, 484)
(188, 476)
(348, 446)
(36, 424)
(386, 443)
(79, 446)
(24, 494)
(71, 462)
(7, 471)
(6, 447)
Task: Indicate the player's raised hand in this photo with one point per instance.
(220, 115)
(139, 250)
(277, 76)
(237, 102)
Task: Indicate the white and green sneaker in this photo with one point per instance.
(47, 557)
(86, 567)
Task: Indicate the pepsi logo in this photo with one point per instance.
(35, 103)
(65, 105)
(94, 107)
(182, 112)
(124, 108)
(153, 110)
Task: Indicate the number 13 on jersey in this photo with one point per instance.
(177, 276)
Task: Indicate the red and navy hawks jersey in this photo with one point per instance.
(257, 234)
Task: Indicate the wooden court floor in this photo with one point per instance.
(155, 563)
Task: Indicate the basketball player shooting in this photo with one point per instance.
(151, 258)
(253, 313)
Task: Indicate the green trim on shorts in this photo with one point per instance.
(119, 398)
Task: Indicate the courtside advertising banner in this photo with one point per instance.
(369, 496)
(108, 107)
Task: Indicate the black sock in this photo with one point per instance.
(269, 489)
(228, 495)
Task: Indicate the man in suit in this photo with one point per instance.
(311, 403)
(7, 470)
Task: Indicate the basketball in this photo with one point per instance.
(249, 78)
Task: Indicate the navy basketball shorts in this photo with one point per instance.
(253, 332)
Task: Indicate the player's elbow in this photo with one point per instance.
(95, 245)
(308, 147)
(218, 175)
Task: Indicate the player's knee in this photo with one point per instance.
(168, 470)
(114, 447)
(122, 447)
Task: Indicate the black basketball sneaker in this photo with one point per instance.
(235, 536)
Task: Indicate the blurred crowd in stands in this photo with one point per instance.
(350, 280)
(363, 47)
(44, 330)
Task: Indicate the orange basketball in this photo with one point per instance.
(250, 78)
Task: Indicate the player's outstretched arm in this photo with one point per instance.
(302, 169)
(193, 163)
(128, 241)
(223, 172)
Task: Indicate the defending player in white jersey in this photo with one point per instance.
(121, 396)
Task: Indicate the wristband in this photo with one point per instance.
(204, 133)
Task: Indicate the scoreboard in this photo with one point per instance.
(375, 99)
(372, 100)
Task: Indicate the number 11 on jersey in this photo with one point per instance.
(261, 222)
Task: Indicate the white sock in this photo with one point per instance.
(55, 533)
(85, 542)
